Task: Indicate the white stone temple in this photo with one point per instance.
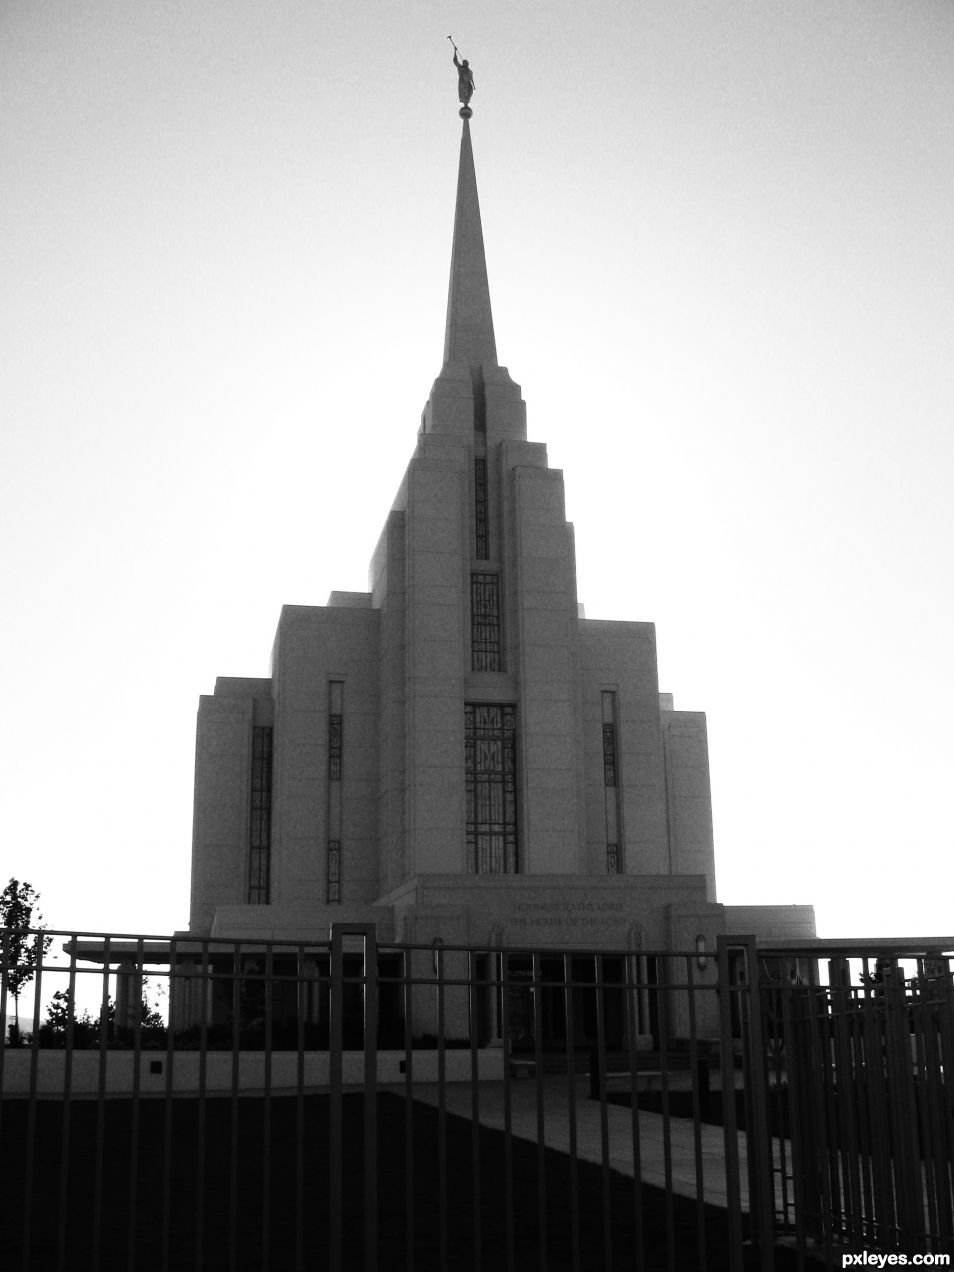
(458, 754)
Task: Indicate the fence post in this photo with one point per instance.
(758, 1141)
(369, 981)
(758, 1136)
(726, 989)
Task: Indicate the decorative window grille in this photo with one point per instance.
(491, 788)
(335, 732)
(485, 622)
(334, 871)
(480, 509)
(609, 754)
(611, 782)
(260, 829)
(334, 747)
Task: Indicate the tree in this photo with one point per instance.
(61, 1012)
(20, 950)
(151, 1013)
(87, 1030)
(58, 1013)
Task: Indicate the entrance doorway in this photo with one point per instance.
(589, 990)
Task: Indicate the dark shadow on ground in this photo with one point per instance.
(263, 1177)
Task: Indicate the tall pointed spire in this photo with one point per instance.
(469, 332)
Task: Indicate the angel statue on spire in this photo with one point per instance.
(465, 82)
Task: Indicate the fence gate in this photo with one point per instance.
(866, 1147)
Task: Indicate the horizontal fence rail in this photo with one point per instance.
(175, 1103)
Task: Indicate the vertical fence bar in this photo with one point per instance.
(874, 1093)
(665, 1008)
(825, 1158)
(771, 990)
(234, 1103)
(370, 1099)
(859, 1102)
(138, 1007)
(536, 999)
(303, 1004)
(268, 1030)
(335, 1143)
(166, 1198)
(906, 1156)
(104, 1025)
(632, 1038)
(758, 1139)
(407, 972)
(5, 963)
(926, 1106)
(508, 1109)
(205, 995)
(837, 1181)
(793, 1214)
(894, 1214)
(62, 1226)
(601, 1068)
(695, 1072)
(939, 1113)
(730, 1135)
(845, 1103)
(437, 968)
(474, 1017)
(751, 1006)
(568, 991)
(945, 1065)
(368, 984)
(29, 1165)
(40, 948)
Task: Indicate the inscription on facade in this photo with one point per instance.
(574, 915)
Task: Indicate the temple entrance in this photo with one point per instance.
(596, 1001)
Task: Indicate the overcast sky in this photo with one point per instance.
(719, 237)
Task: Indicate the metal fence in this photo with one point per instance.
(350, 1104)
(863, 1116)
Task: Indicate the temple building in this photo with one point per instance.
(458, 754)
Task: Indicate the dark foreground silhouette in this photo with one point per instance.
(141, 1192)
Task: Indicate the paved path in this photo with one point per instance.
(683, 1164)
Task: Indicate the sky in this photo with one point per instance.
(719, 239)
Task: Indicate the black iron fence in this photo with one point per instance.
(169, 1103)
(863, 1114)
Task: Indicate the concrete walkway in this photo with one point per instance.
(684, 1162)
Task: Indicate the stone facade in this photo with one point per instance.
(458, 753)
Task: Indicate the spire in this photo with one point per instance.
(469, 333)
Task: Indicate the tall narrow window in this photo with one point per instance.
(490, 768)
(335, 740)
(485, 622)
(482, 534)
(260, 829)
(611, 782)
